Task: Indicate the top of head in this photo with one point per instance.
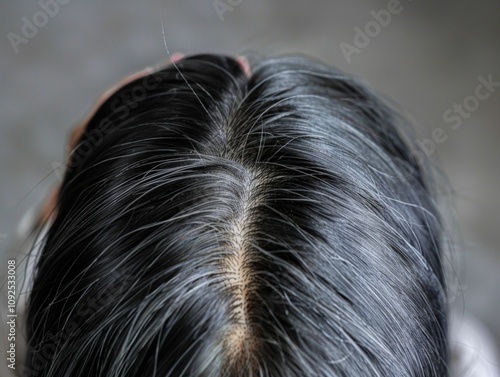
(212, 223)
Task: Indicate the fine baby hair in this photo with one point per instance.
(216, 222)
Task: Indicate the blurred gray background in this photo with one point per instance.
(428, 56)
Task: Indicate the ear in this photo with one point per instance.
(48, 211)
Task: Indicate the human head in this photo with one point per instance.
(215, 224)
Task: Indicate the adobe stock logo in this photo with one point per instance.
(30, 28)
(460, 111)
(456, 114)
(222, 7)
(372, 29)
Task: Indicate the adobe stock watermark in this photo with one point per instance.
(11, 314)
(456, 114)
(372, 29)
(39, 19)
(223, 6)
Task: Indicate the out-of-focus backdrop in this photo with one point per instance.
(439, 61)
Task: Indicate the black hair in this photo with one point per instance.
(214, 224)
